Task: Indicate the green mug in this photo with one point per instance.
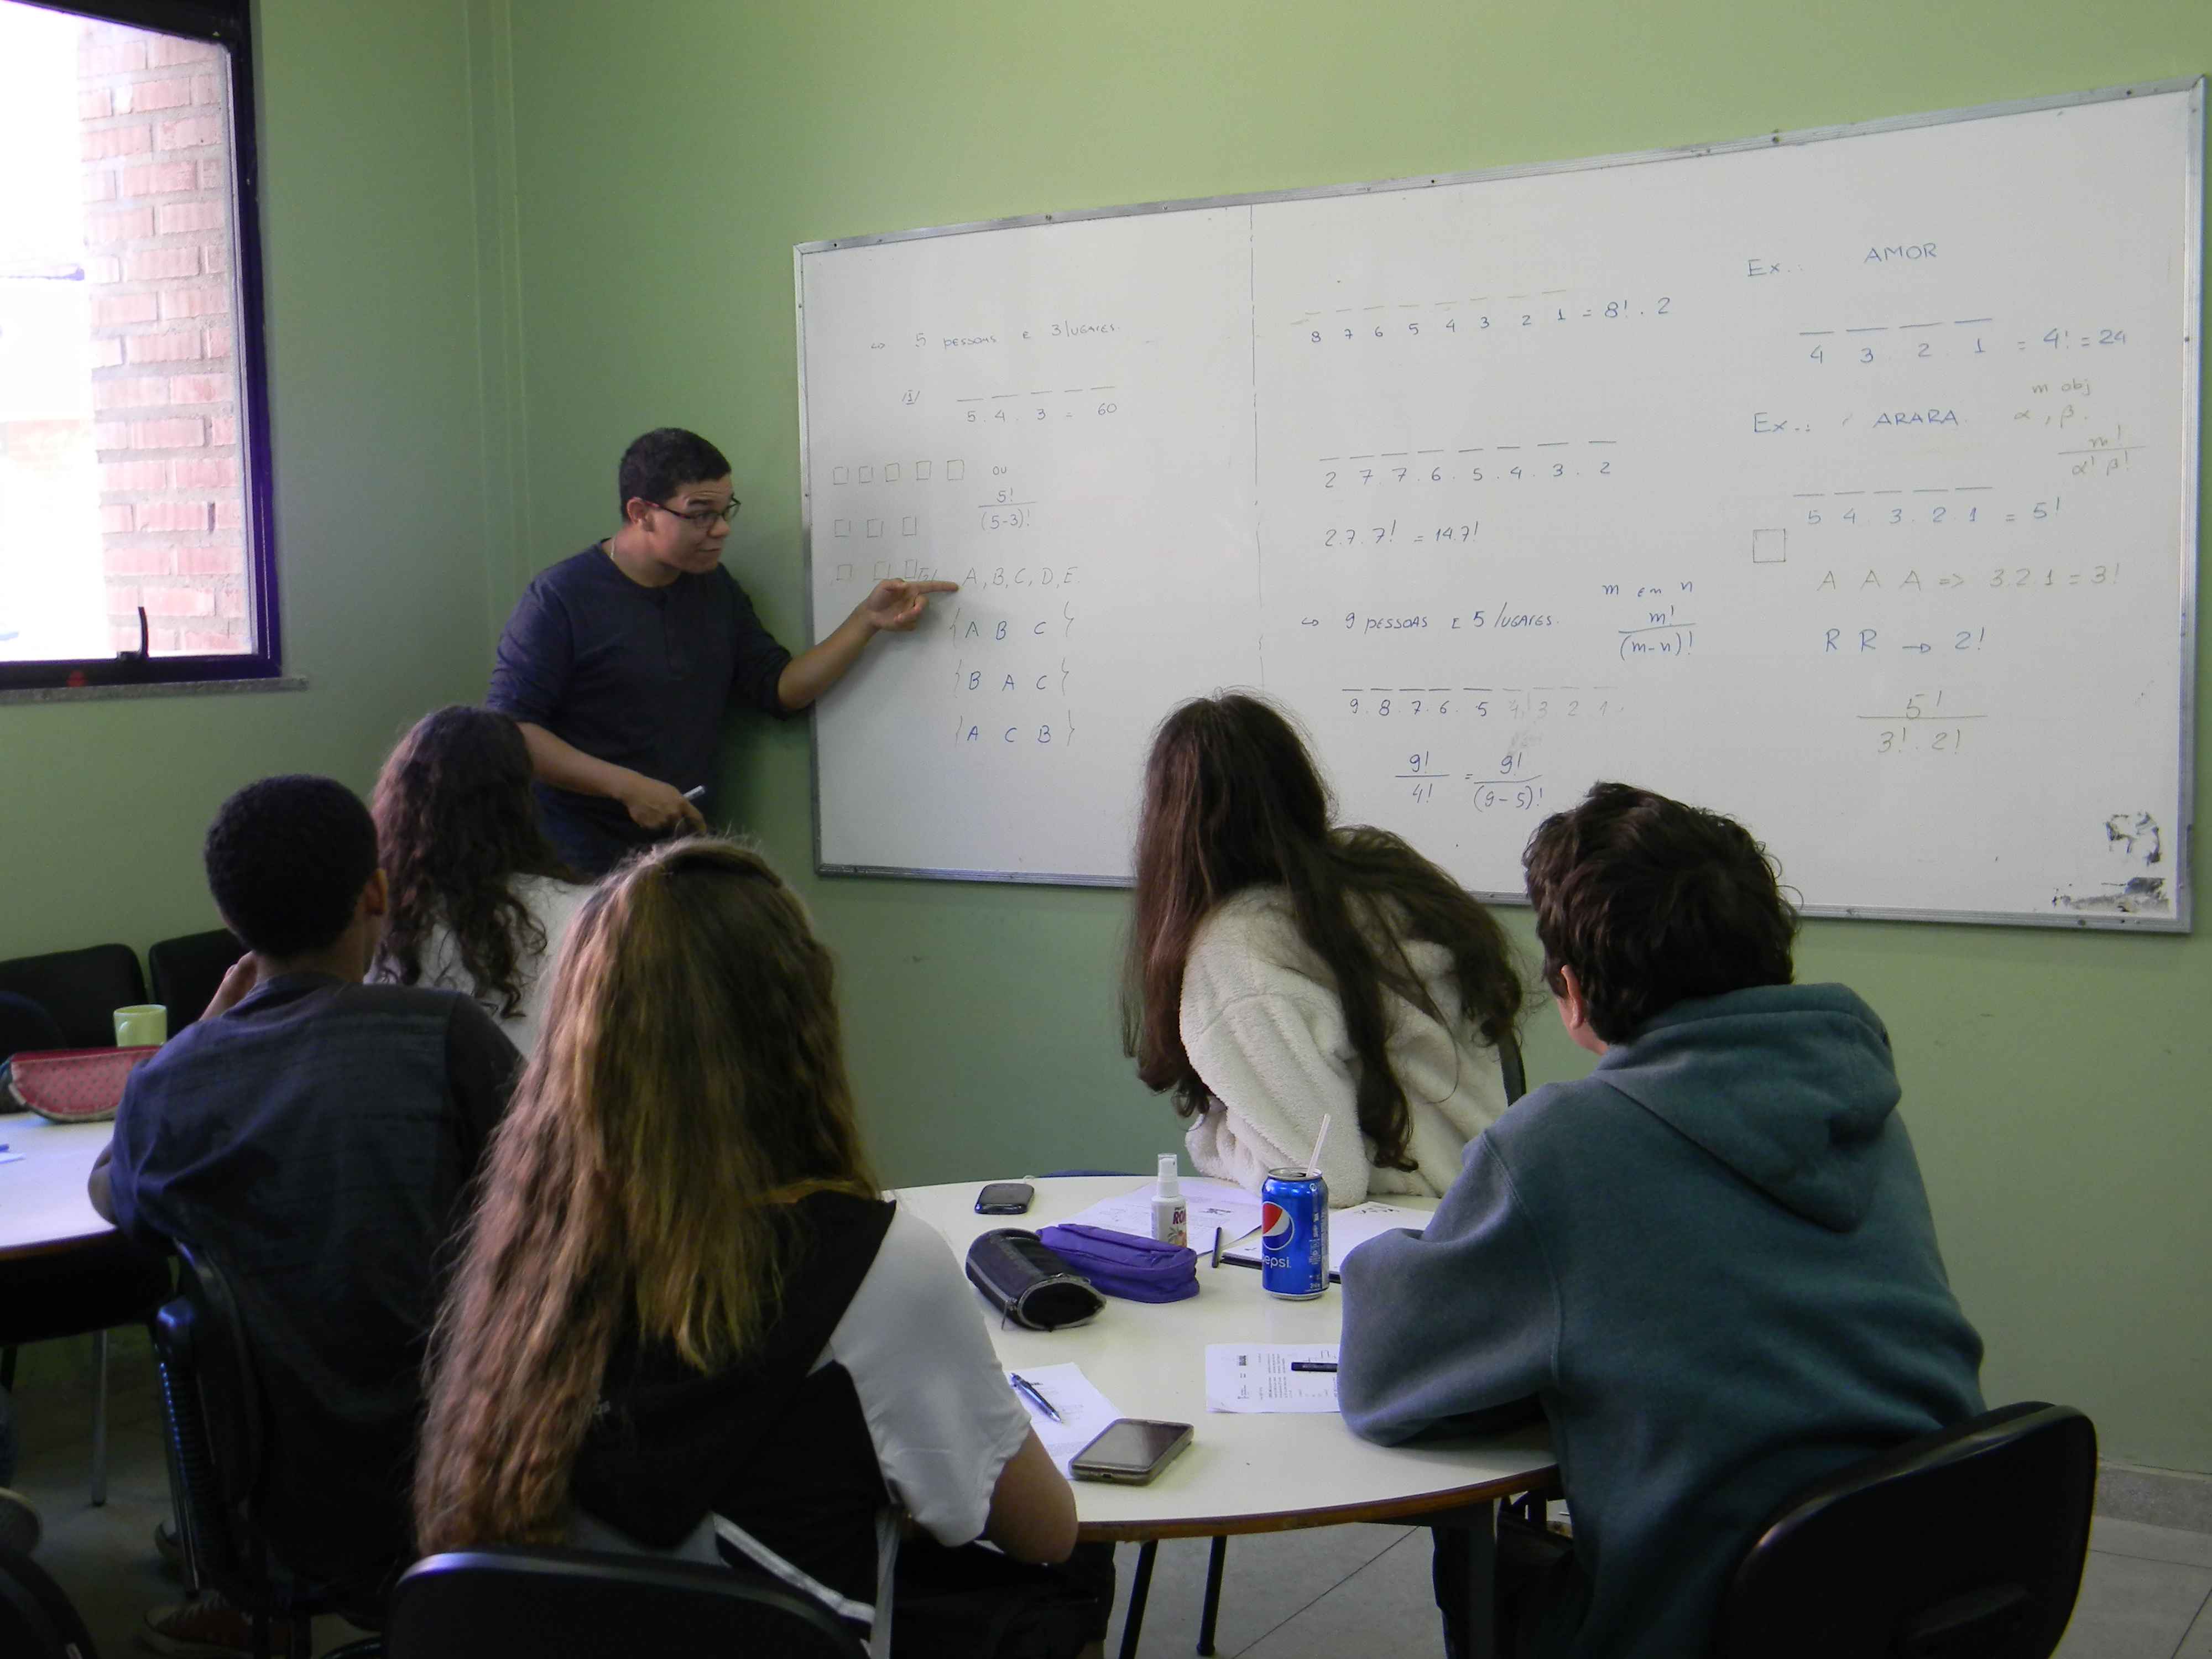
(140, 1025)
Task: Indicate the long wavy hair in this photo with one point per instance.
(1232, 800)
(689, 1088)
(456, 825)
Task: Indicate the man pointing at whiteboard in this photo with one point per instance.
(618, 661)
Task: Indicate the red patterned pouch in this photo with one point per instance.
(75, 1085)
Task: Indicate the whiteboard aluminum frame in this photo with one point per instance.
(2192, 444)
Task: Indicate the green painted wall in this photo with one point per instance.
(668, 157)
(500, 243)
(370, 224)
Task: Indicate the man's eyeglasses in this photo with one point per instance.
(703, 517)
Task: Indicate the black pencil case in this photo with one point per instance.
(1028, 1283)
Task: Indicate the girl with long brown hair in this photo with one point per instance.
(684, 1321)
(1278, 968)
(479, 897)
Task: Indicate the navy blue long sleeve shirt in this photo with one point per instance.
(632, 675)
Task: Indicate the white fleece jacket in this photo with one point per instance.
(1264, 1029)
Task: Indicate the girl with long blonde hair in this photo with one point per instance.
(684, 1319)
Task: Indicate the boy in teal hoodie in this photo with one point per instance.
(1711, 1260)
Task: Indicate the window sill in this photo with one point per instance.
(151, 688)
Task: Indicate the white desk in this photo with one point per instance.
(43, 1206)
(1244, 1471)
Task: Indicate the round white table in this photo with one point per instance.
(1244, 1471)
(43, 1206)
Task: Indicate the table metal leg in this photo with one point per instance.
(1466, 1580)
(100, 1419)
(1216, 1558)
(1140, 1588)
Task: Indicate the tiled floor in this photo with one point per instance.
(1317, 1594)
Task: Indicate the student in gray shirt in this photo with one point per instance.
(1711, 1260)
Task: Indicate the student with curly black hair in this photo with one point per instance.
(480, 899)
(313, 1135)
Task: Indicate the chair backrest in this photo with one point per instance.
(82, 989)
(188, 970)
(1963, 1545)
(1509, 1066)
(212, 1407)
(36, 1618)
(581, 1604)
(25, 1024)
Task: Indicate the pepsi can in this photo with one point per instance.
(1294, 1234)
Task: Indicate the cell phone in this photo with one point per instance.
(1133, 1450)
(1005, 1198)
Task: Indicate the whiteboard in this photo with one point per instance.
(1843, 481)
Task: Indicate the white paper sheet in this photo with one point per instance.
(1211, 1204)
(1347, 1230)
(1084, 1412)
(1252, 1377)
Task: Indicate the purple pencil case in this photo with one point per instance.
(1122, 1264)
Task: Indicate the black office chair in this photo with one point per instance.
(25, 1024)
(37, 1620)
(1516, 1084)
(583, 1604)
(188, 970)
(82, 989)
(1509, 1068)
(1963, 1545)
(215, 1430)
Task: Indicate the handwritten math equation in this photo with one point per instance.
(1921, 725)
(1509, 704)
(1540, 460)
(1476, 317)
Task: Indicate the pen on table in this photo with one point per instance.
(1313, 1364)
(1025, 1387)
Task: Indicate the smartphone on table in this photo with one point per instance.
(1132, 1449)
(1005, 1198)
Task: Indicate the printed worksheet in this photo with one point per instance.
(1348, 1229)
(1065, 1408)
(1211, 1204)
(1251, 1376)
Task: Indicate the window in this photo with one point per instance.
(134, 480)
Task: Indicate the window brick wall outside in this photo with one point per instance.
(157, 242)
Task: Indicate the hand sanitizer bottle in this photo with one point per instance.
(1171, 1217)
